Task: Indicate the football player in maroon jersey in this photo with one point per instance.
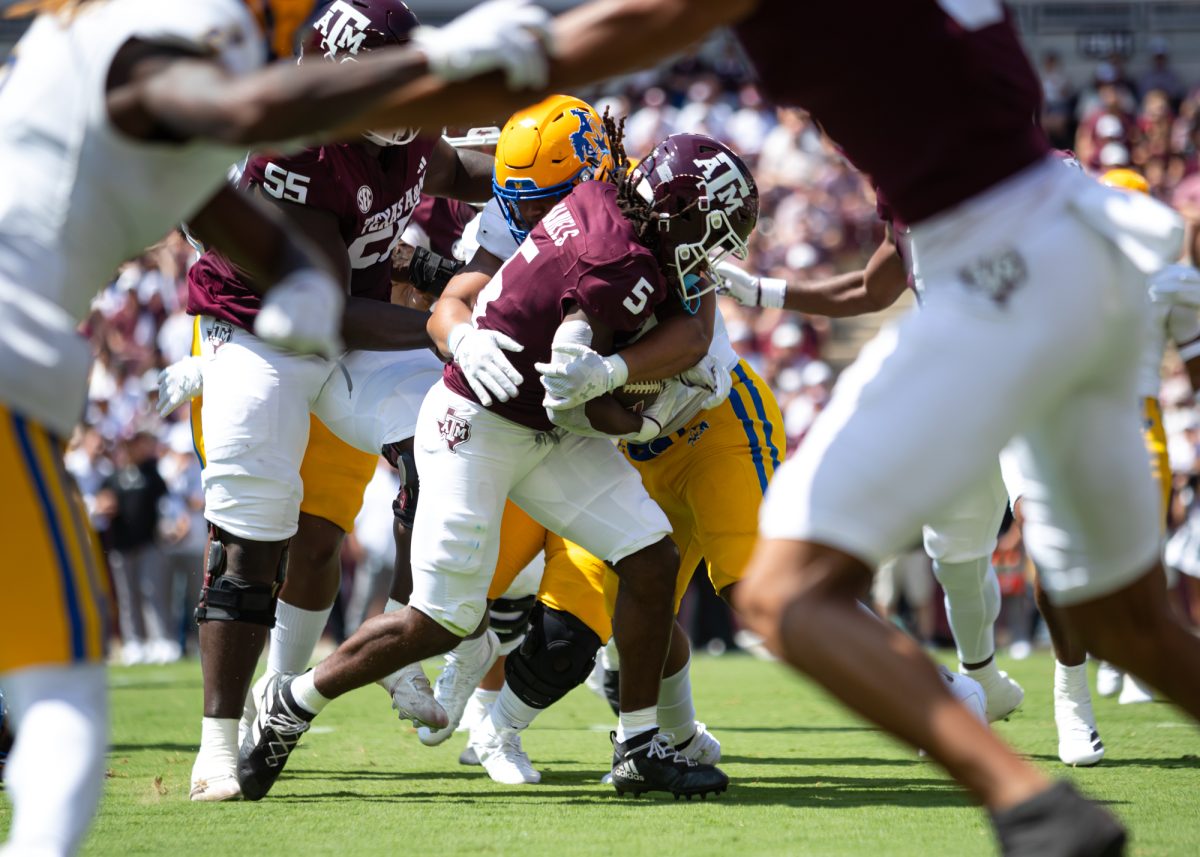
(996, 233)
(598, 263)
(353, 201)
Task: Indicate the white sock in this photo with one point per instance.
(987, 674)
(218, 746)
(306, 694)
(972, 606)
(294, 637)
(485, 698)
(471, 650)
(633, 723)
(389, 680)
(1071, 681)
(609, 658)
(512, 712)
(676, 711)
(55, 773)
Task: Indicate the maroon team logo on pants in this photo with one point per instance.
(454, 429)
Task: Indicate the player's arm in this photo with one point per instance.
(457, 302)
(872, 289)
(459, 173)
(677, 343)
(592, 42)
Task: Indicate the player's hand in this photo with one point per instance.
(575, 421)
(303, 312)
(512, 36)
(749, 290)
(178, 383)
(660, 413)
(1176, 284)
(480, 355)
(712, 376)
(577, 374)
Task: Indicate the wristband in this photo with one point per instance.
(651, 428)
(457, 333)
(771, 292)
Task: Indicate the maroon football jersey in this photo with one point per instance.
(583, 252)
(934, 99)
(371, 197)
(442, 221)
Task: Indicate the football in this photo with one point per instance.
(638, 395)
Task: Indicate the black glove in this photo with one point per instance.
(429, 272)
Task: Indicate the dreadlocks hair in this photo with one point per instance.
(633, 208)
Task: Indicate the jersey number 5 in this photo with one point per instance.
(637, 301)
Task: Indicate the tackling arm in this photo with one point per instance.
(674, 345)
(459, 174)
(458, 300)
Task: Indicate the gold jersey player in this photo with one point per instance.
(1014, 251)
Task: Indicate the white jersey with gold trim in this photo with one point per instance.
(78, 198)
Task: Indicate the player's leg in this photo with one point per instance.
(521, 539)
(54, 611)
(472, 457)
(616, 520)
(850, 496)
(557, 654)
(960, 539)
(254, 428)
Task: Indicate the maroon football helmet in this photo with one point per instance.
(342, 30)
(705, 203)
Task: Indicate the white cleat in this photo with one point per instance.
(702, 747)
(502, 755)
(1003, 694)
(1134, 692)
(454, 687)
(1079, 743)
(1109, 679)
(413, 698)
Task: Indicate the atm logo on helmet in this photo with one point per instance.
(723, 181)
(344, 29)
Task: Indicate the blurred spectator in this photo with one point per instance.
(130, 498)
(373, 547)
(1161, 75)
(1059, 99)
(183, 530)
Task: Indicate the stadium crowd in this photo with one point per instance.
(141, 478)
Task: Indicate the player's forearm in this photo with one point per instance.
(371, 325)
(872, 289)
(255, 238)
(674, 345)
(593, 41)
(281, 102)
(469, 179)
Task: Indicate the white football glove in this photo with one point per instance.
(712, 376)
(577, 374)
(575, 421)
(1176, 284)
(478, 353)
(303, 312)
(512, 36)
(749, 290)
(178, 383)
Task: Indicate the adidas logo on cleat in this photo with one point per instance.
(628, 770)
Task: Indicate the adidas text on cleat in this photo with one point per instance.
(648, 763)
(276, 731)
(1059, 822)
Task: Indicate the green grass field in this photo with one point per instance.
(807, 779)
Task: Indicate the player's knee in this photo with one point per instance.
(241, 580)
(509, 618)
(557, 655)
(652, 568)
(795, 578)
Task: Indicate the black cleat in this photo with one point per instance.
(648, 763)
(272, 737)
(1059, 822)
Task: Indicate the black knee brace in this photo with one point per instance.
(404, 507)
(557, 656)
(230, 599)
(509, 618)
